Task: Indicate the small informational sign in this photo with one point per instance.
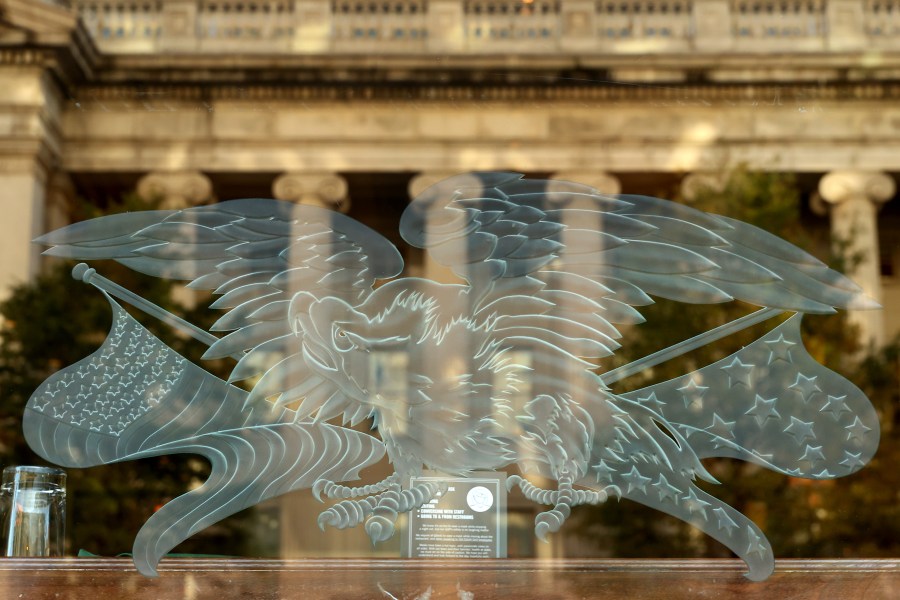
(467, 519)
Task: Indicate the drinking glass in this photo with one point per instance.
(32, 511)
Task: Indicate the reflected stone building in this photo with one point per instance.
(356, 105)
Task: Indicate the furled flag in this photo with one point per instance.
(135, 397)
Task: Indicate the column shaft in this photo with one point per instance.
(22, 202)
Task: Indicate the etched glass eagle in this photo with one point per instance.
(550, 272)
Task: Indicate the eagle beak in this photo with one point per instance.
(318, 357)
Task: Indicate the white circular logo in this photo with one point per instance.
(480, 498)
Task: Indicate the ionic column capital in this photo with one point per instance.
(842, 186)
(176, 189)
(601, 181)
(324, 189)
(424, 180)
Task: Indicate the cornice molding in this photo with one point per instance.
(732, 94)
(50, 36)
(42, 23)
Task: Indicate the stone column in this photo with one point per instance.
(60, 197)
(30, 109)
(23, 201)
(326, 190)
(854, 198)
(176, 189)
(431, 269)
(298, 511)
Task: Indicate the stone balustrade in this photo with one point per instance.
(448, 27)
(782, 19)
(494, 21)
(398, 24)
(667, 20)
(239, 21)
(133, 27)
(882, 18)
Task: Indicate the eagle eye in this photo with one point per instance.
(341, 340)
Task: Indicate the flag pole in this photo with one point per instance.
(651, 360)
(82, 272)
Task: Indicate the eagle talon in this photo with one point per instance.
(541, 530)
(326, 517)
(318, 487)
(336, 491)
(379, 529)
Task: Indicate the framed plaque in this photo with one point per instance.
(466, 519)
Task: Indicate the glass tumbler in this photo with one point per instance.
(32, 511)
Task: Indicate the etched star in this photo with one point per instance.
(763, 410)
(738, 373)
(604, 471)
(636, 481)
(721, 428)
(694, 503)
(801, 430)
(805, 386)
(651, 402)
(40, 403)
(852, 460)
(856, 431)
(724, 521)
(665, 489)
(813, 455)
(693, 395)
(755, 543)
(780, 349)
(835, 405)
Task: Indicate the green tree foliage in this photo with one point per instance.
(852, 516)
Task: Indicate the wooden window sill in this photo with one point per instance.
(224, 579)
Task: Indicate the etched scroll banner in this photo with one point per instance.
(492, 374)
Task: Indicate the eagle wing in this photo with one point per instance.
(254, 254)
(562, 263)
